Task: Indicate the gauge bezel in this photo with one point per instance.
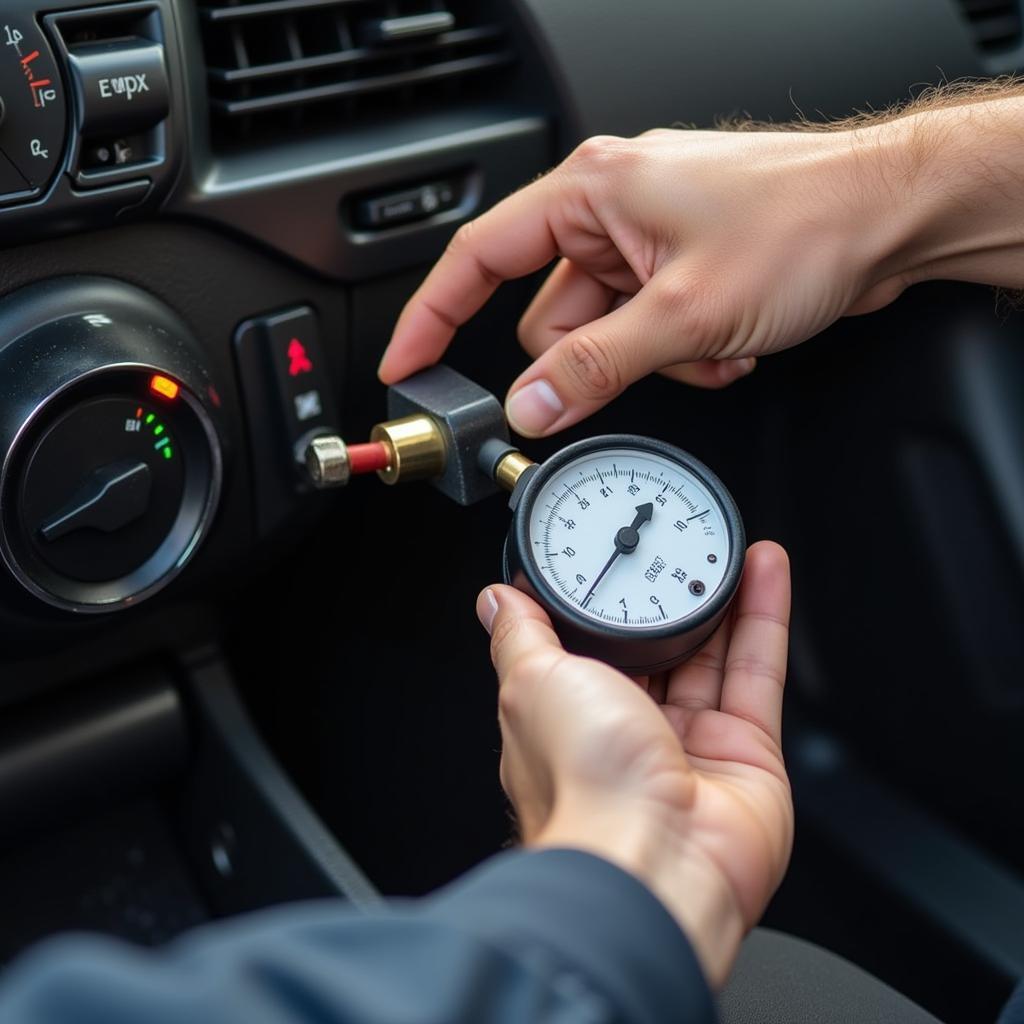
(199, 502)
(654, 648)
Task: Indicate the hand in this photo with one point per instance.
(679, 779)
(693, 252)
(688, 252)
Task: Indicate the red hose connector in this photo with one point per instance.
(368, 458)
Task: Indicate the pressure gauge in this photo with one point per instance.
(633, 546)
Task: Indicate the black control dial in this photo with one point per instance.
(110, 451)
(112, 486)
(34, 112)
(102, 488)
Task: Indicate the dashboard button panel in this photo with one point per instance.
(294, 351)
(92, 125)
(287, 345)
(120, 85)
(407, 206)
(289, 400)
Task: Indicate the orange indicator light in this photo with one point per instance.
(163, 386)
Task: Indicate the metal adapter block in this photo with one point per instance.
(467, 415)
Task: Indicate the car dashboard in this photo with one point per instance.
(223, 688)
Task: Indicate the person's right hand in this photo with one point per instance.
(688, 252)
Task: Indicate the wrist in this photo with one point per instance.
(690, 888)
(948, 189)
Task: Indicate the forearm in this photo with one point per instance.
(555, 936)
(948, 190)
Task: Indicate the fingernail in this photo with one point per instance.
(741, 367)
(534, 408)
(486, 609)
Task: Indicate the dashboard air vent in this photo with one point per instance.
(280, 67)
(996, 24)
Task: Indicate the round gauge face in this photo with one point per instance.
(629, 537)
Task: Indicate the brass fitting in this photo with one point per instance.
(417, 447)
(510, 469)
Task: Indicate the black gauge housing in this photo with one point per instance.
(634, 650)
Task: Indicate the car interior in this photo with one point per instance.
(224, 689)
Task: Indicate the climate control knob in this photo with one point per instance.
(113, 466)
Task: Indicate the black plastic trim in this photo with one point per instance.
(294, 198)
(69, 755)
(961, 891)
(253, 836)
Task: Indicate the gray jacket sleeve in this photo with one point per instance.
(556, 936)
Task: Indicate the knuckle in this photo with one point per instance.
(758, 668)
(602, 153)
(518, 683)
(530, 668)
(675, 293)
(462, 240)
(510, 700)
(591, 365)
(526, 330)
(504, 629)
(694, 308)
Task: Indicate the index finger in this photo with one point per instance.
(510, 240)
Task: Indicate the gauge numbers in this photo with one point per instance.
(629, 537)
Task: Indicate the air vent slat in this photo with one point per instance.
(284, 68)
(994, 24)
(266, 8)
(358, 55)
(361, 87)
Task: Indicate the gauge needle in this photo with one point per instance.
(626, 541)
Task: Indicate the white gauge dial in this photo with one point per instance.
(629, 537)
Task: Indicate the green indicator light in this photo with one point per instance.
(168, 452)
(158, 429)
(161, 443)
(150, 418)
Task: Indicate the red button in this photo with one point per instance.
(298, 360)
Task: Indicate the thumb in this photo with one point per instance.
(521, 633)
(524, 650)
(666, 323)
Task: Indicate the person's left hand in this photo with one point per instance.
(680, 779)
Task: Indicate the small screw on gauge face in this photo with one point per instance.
(712, 559)
(696, 588)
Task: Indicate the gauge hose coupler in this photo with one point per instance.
(441, 422)
(505, 465)
(412, 448)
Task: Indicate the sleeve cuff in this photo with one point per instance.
(594, 917)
